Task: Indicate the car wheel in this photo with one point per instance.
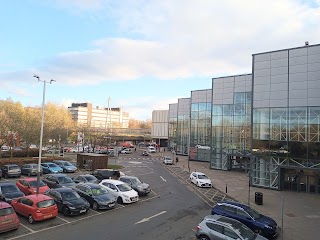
(198, 184)
(29, 174)
(119, 200)
(95, 206)
(203, 237)
(30, 219)
(65, 211)
(258, 231)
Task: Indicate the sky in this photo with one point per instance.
(142, 54)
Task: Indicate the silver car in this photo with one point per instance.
(219, 227)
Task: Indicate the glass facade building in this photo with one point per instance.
(183, 126)
(200, 134)
(172, 128)
(286, 119)
(231, 117)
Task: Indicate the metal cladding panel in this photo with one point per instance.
(184, 106)
(173, 110)
(161, 116)
(200, 96)
(159, 130)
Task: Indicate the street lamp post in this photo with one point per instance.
(41, 130)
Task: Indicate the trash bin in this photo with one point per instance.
(258, 198)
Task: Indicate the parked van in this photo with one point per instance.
(151, 149)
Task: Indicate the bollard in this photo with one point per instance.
(226, 188)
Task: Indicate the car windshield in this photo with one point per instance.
(45, 203)
(69, 196)
(52, 165)
(65, 179)
(202, 177)
(33, 166)
(98, 191)
(9, 189)
(33, 184)
(124, 187)
(136, 181)
(6, 211)
(67, 164)
(253, 213)
(242, 229)
(90, 178)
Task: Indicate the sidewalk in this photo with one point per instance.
(301, 218)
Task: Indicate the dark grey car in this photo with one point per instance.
(58, 180)
(9, 191)
(31, 169)
(134, 182)
(220, 227)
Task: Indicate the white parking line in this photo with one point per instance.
(27, 228)
(91, 210)
(63, 219)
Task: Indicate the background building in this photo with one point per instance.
(99, 117)
(231, 121)
(286, 119)
(172, 128)
(160, 125)
(200, 134)
(183, 126)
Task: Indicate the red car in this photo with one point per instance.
(36, 207)
(8, 218)
(29, 186)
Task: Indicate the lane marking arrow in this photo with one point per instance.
(163, 179)
(148, 219)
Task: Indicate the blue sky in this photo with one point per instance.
(142, 54)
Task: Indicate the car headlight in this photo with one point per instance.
(126, 196)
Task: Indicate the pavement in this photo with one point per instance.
(301, 211)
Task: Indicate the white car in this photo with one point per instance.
(126, 151)
(122, 191)
(200, 179)
(167, 160)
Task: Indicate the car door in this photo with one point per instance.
(23, 186)
(245, 218)
(216, 231)
(45, 167)
(56, 196)
(194, 178)
(49, 180)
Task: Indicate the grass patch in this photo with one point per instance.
(115, 166)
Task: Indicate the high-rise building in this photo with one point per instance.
(99, 117)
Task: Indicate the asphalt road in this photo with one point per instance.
(170, 211)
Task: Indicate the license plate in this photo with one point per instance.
(47, 216)
(6, 221)
(111, 205)
(83, 211)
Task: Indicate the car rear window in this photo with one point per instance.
(13, 167)
(9, 189)
(6, 211)
(45, 203)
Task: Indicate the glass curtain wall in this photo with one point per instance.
(183, 126)
(231, 118)
(173, 114)
(286, 113)
(200, 134)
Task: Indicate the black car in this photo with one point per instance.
(58, 180)
(9, 191)
(68, 201)
(136, 184)
(11, 170)
(97, 196)
(31, 169)
(106, 174)
(86, 178)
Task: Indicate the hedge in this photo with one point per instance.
(22, 161)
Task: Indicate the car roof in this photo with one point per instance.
(126, 176)
(112, 181)
(57, 174)
(59, 161)
(7, 184)
(4, 205)
(31, 164)
(38, 197)
(89, 184)
(28, 179)
(199, 173)
(11, 164)
(221, 219)
(64, 189)
(234, 203)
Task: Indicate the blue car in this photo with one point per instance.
(66, 166)
(50, 167)
(257, 222)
